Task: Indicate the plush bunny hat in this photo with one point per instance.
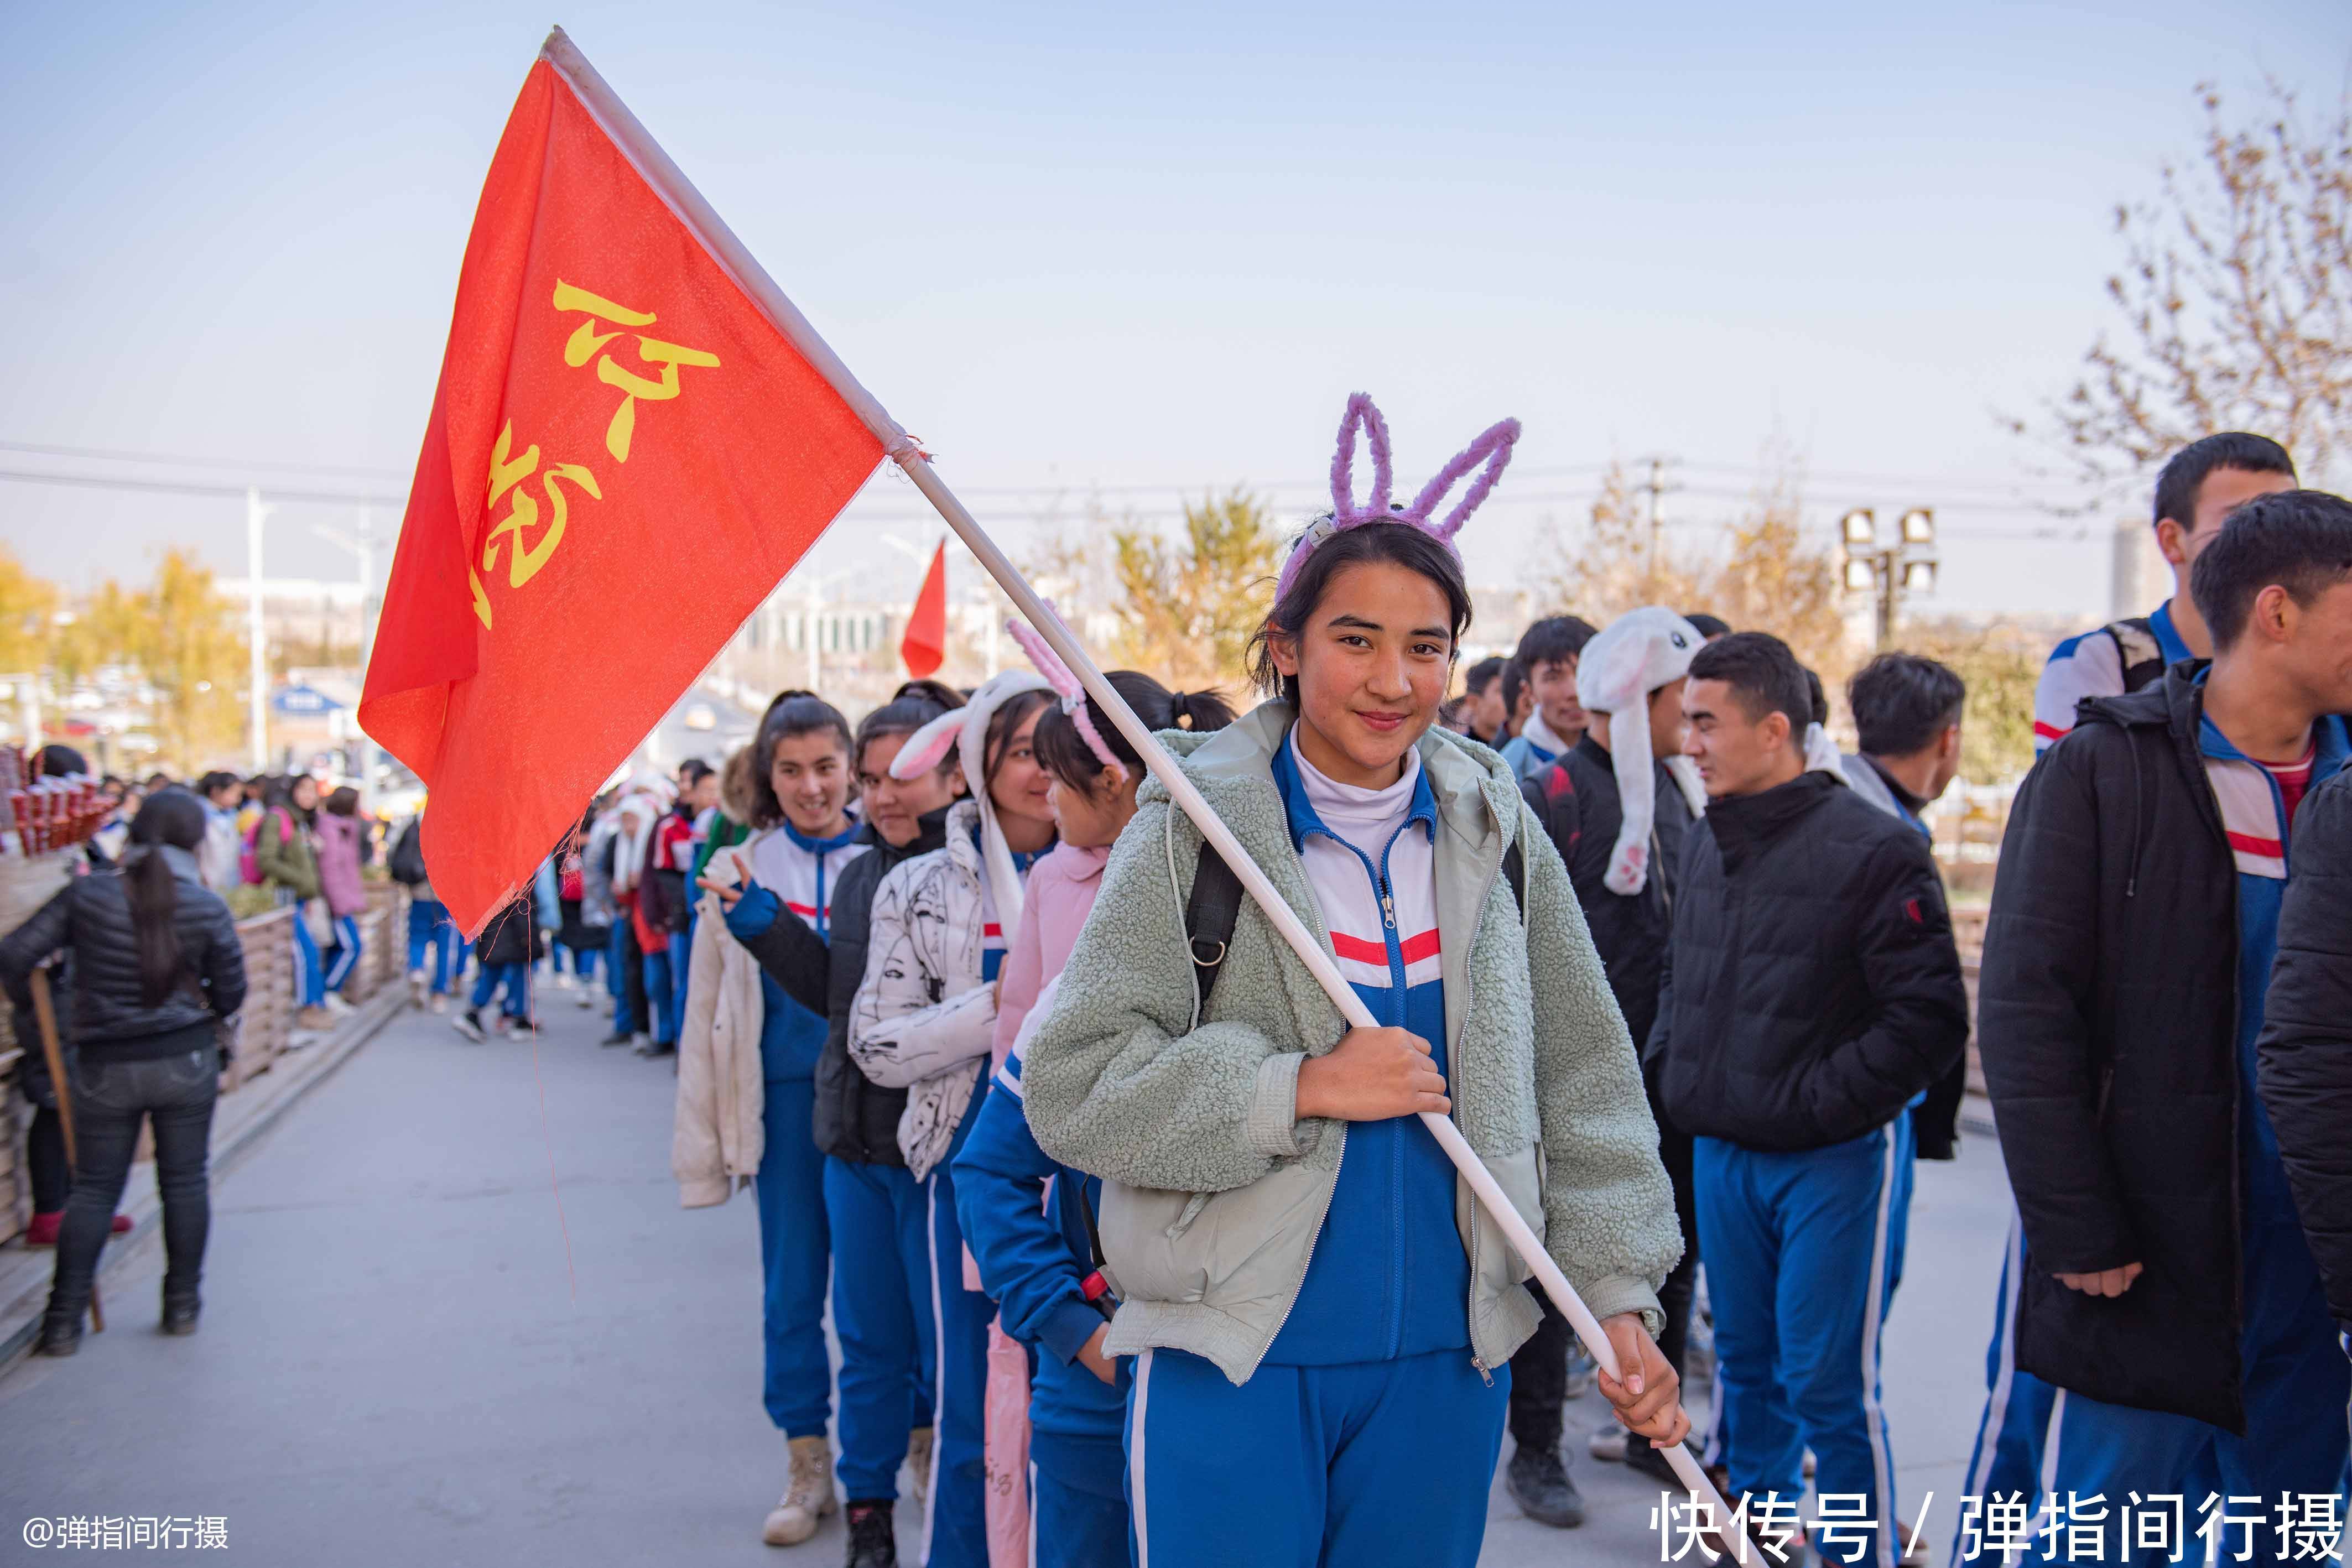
(1067, 687)
(1493, 447)
(1639, 652)
(966, 729)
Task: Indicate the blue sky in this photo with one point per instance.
(1076, 247)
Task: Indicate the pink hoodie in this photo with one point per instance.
(1055, 903)
(339, 863)
(1059, 895)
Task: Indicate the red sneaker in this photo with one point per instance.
(43, 1231)
(121, 1226)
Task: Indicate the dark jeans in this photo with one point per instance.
(1540, 1367)
(109, 1099)
(45, 1156)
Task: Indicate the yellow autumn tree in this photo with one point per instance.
(1189, 604)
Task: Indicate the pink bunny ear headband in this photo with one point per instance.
(1493, 447)
(1066, 685)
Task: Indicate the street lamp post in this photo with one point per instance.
(257, 671)
(1893, 571)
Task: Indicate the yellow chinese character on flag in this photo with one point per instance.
(586, 343)
(507, 474)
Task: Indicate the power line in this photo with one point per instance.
(165, 459)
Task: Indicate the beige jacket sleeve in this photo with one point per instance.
(717, 1134)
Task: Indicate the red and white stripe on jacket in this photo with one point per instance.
(1353, 909)
(2249, 816)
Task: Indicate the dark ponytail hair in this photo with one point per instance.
(793, 713)
(936, 691)
(175, 818)
(1398, 544)
(1062, 751)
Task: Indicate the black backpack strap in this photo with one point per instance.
(1215, 905)
(2141, 655)
(1209, 915)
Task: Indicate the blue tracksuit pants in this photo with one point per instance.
(345, 954)
(1078, 1527)
(430, 928)
(681, 949)
(514, 977)
(617, 958)
(1803, 1251)
(310, 979)
(2007, 1459)
(795, 1256)
(2297, 1384)
(1368, 1464)
(956, 1521)
(881, 1315)
(658, 998)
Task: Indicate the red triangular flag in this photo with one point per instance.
(925, 646)
(625, 454)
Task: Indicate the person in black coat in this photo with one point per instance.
(157, 965)
(1612, 794)
(2307, 1042)
(873, 1205)
(2167, 1287)
(509, 945)
(1811, 993)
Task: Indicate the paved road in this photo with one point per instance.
(398, 1367)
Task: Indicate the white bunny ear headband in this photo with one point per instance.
(1067, 686)
(1639, 652)
(966, 729)
(1493, 447)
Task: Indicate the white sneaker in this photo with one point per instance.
(336, 1005)
(808, 1494)
(439, 1004)
(919, 1462)
(587, 999)
(418, 990)
(1607, 1443)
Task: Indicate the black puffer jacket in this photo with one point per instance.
(2107, 1017)
(1813, 987)
(1576, 800)
(2306, 1041)
(112, 1019)
(856, 1119)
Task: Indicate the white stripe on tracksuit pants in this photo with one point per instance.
(1803, 1252)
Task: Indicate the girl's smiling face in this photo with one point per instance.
(1372, 663)
(810, 774)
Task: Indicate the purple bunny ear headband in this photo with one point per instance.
(1493, 447)
(1065, 685)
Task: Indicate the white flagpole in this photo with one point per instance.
(683, 199)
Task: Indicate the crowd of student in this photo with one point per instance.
(1134, 1248)
(1134, 1262)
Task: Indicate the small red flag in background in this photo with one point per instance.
(925, 646)
(625, 456)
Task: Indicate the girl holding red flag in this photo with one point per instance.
(1322, 1344)
(924, 1020)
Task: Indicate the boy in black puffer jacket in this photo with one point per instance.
(1813, 993)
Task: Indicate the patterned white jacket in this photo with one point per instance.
(924, 1016)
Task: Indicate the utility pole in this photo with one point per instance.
(1657, 489)
(257, 670)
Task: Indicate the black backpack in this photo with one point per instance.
(2137, 650)
(1216, 903)
(406, 862)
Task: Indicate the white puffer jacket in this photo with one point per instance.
(924, 1017)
